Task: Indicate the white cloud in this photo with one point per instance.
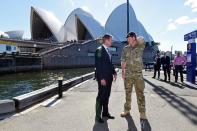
(183, 20)
(72, 2)
(106, 4)
(170, 20)
(192, 4)
(172, 26)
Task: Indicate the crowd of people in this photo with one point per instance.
(164, 61)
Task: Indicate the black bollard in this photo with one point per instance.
(60, 79)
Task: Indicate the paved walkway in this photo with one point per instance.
(170, 107)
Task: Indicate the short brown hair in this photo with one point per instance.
(107, 36)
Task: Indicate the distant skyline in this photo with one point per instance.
(166, 20)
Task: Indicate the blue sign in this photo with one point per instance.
(191, 56)
(191, 35)
(191, 62)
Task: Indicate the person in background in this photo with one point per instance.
(165, 62)
(179, 62)
(157, 65)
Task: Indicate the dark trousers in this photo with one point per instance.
(167, 71)
(178, 69)
(103, 96)
(156, 69)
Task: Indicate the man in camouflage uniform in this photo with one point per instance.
(132, 66)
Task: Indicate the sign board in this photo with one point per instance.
(191, 35)
(191, 56)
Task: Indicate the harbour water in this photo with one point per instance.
(12, 85)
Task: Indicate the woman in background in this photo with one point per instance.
(179, 62)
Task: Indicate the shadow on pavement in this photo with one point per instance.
(100, 126)
(173, 84)
(177, 85)
(188, 86)
(180, 85)
(6, 116)
(131, 124)
(52, 102)
(183, 106)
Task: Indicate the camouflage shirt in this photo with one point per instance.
(133, 58)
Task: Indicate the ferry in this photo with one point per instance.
(8, 48)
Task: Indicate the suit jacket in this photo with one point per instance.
(165, 61)
(103, 64)
(157, 61)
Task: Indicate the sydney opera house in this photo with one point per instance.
(76, 39)
(16, 34)
(81, 25)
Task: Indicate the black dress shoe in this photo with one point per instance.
(99, 120)
(108, 116)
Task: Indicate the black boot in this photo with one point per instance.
(106, 111)
(108, 116)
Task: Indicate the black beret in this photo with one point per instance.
(131, 34)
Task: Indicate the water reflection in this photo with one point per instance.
(16, 84)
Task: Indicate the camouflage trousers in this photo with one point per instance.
(138, 82)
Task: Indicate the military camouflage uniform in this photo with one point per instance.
(133, 75)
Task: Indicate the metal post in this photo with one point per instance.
(171, 52)
(128, 16)
(60, 94)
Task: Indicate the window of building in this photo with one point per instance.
(8, 48)
(14, 48)
(113, 49)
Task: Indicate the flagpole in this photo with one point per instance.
(128, 16)
(171, 51)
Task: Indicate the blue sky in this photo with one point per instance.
(166, 20)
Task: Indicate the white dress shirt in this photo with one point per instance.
(108, 52)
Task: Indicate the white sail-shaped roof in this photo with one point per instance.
(150, 37)
(117, 22)
(81, 25)
(3, 34)
(41, 20)
(142, 32)
(15, 34)
(80, 22)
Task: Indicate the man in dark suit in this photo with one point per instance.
(157, 65)
(165, 61)
(105, 73)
